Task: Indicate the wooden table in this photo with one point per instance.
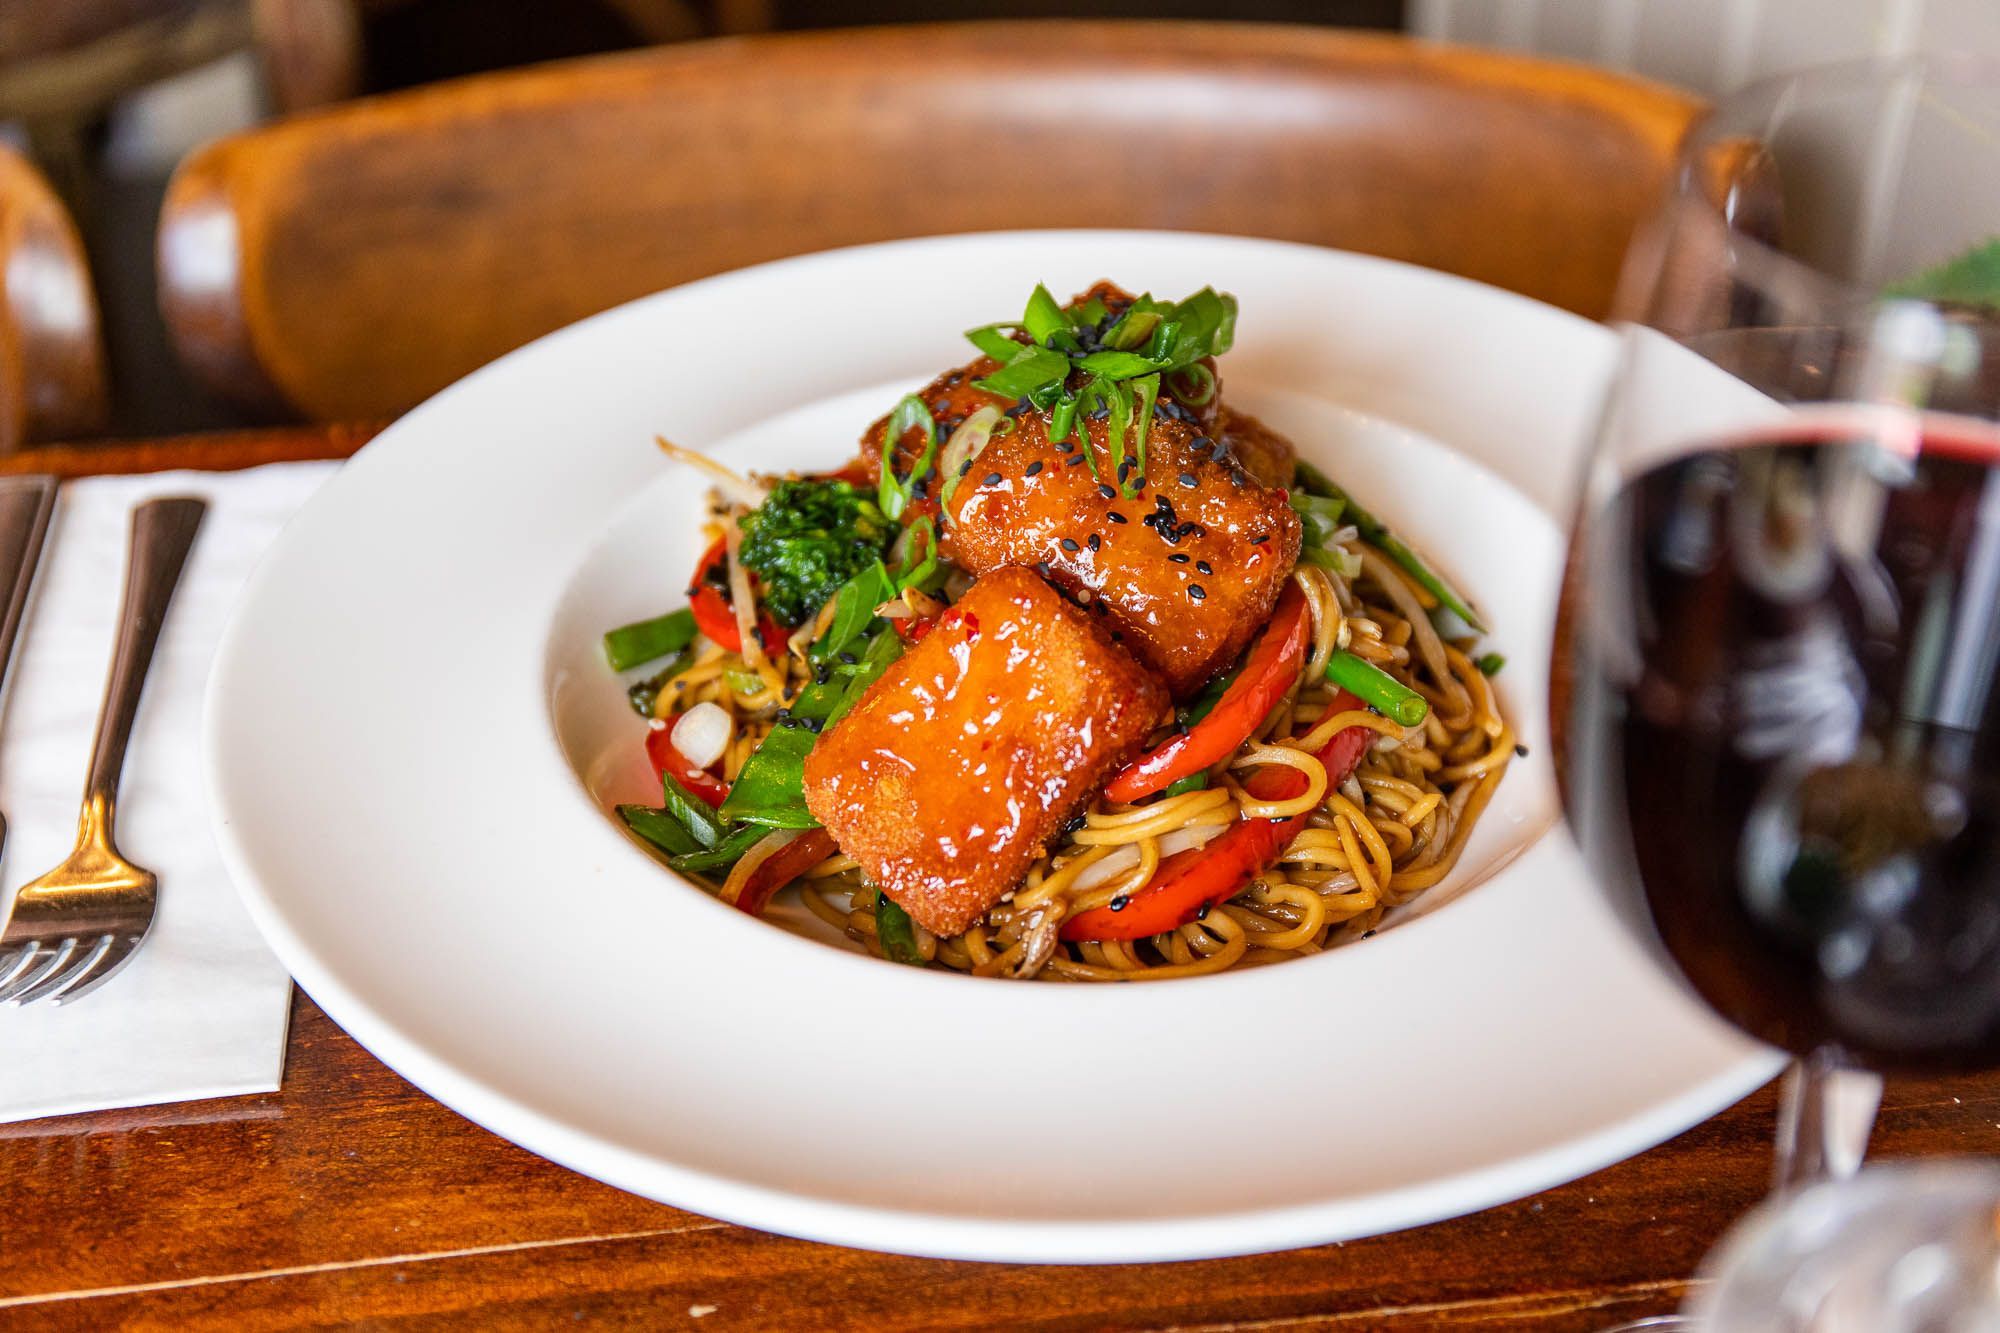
(351, 1198)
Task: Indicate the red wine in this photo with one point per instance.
(1783, 734)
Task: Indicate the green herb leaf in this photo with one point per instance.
(1062, 421)
(898, 935)
(648, 640)
(1972, 278)
(659, 828)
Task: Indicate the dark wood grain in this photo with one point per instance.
(350, 1198)
(346, 264)
(51, 351)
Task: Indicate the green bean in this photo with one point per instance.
(645, 640)
(1377, 688)
(659, 828)
(1376, 533)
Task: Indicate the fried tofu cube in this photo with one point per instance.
(964, 761)
(1184, 570)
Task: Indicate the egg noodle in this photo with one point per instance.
(1392, 829)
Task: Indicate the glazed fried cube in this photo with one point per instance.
(1183, 570)
(962, 763)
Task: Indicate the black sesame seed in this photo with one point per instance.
(849, 658)
(1076, 461)
(1094, 541)
(965, 467)
(1107, 491)
(1201, 442)
(1196, 591)
(1125, 465)
(1204, 566)
(1521, 752)
(1074, 824)
(1117, 517)
(1201, 913)
(1367, 934)
(992, 479)
(1179, 557)
(1187, 479)
(1118, 902)
(1101, 414)
(1260, 539)
(1034, 467)
(1139, 482)
(1069, 544)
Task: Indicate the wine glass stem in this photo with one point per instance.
(1825, 1114)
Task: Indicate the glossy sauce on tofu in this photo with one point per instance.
(962, 763)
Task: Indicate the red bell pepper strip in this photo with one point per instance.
(666, 759)
(1270, 670)
(782, 867)
(1188, 882)
(714, 616)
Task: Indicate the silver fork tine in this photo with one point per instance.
(89, 978)
(13, 963)
(36, 976)
(87, 953)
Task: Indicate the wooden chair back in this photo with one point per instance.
(350, 262)
(52, 379)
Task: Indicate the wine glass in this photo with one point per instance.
(1778, 667)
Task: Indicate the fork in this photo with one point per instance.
(74, 927)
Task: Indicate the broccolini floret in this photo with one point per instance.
(808, 538)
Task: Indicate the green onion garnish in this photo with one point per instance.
(893, 494)
(1377, 688)
(1489, 664)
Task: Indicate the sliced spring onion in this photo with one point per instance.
(1376, 533)
(659, 828)
(743, 682)
(964, 446)
(992, 340)
(892, 494)
(702, 734)
(1193, 384)
(1339, 559)
(1120, 365)
(1489, 664)
(692, 812)
(1192, 782)
(1145, 392)
(1377, 688)
(1028, 371)
(1045, 321)
(896, 931)
(1133, 330)
(648, 640)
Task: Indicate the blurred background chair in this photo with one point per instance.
(347, 263)
(52, 382)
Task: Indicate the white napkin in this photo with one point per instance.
(201, 1010)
